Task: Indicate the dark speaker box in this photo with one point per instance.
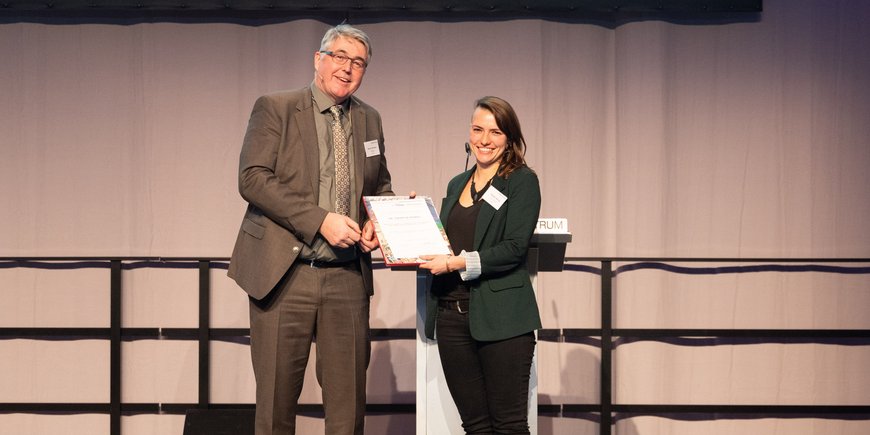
(219, 422)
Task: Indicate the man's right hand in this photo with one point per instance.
(339, 230)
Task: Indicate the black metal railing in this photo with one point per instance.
(608, 413)
(608, 337)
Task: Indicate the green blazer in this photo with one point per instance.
(502, 299)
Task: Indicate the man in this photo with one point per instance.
(302, 254)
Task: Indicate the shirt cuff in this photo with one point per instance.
(472, 265)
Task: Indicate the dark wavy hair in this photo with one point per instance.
(507, 121)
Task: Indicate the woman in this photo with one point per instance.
(481, 306)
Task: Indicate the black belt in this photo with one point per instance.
(460, 305)
(320, 264)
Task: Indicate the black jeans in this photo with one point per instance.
(489, 380)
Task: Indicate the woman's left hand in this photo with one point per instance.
(437, 264)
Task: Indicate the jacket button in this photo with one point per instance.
(295, 249)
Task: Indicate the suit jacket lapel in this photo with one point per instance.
(487, 212)
(304, 118)
(358, 124)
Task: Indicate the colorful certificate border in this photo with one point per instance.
(389, 259)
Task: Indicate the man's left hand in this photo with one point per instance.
(368, 241)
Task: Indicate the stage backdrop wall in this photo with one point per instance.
(740, 139)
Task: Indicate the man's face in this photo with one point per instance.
(335, 80)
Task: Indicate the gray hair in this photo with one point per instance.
(347, 31)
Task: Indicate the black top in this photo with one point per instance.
(460, 231)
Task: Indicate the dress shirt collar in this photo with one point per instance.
(323, 102)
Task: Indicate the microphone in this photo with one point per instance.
(467, 154)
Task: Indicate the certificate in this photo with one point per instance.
(407, 228)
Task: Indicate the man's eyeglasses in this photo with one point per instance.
(357, 63)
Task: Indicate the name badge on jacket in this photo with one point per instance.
(494, 197)
(372, 148)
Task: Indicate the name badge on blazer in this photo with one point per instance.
(372, 148)
(494, 197)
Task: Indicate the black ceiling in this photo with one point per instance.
(381, 10)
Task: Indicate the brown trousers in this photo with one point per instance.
(330, 304)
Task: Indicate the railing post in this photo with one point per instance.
(115, 348)
(606, 397)
(203, 335)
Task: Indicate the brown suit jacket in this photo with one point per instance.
(279, 173)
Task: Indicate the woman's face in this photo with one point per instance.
(487, 141)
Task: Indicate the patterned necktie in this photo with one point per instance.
(342, 168)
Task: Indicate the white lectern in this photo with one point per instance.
(436, 413)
